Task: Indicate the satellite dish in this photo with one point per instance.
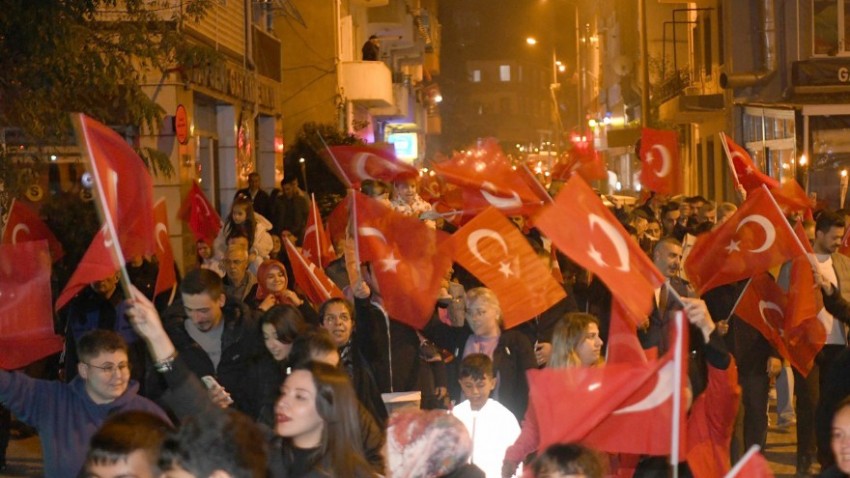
(622, 65)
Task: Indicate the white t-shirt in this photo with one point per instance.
(492, 429)
(834, 329)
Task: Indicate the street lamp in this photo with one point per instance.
(557, 66)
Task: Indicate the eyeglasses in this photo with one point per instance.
(111, 368)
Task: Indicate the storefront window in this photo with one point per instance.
(831, 27)
(769, 136)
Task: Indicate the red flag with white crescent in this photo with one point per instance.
(311, 279)
(97, 263)
(24, 225)
(357, 163)
(199, 215)
(746, 173)
(493, 250)
(165, 277)
(316, 246)
(659, 155)
(580, 225)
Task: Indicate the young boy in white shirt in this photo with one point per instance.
(493, 427)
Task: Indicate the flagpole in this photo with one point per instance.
(315, 280)
(353, 210)
(12, 206)
(740, 296)
(106, 219)
(742, 462)
(788, 225)
(729, 158)
(336, 164)
(541, 191)
(315, 212)
(677, 394)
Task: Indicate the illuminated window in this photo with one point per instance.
(504, 72)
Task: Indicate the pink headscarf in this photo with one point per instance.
(262, 274)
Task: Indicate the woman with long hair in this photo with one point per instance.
(317, 419)
(575, 343)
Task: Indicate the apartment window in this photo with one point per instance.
(476, 76)
(504, 73)
(831, 29)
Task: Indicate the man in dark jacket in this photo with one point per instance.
(215, 335)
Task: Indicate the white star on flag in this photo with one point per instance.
(505, 268)
(596, 256)
(390, 263)
(733, 246)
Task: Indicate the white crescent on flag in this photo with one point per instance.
(18, 228)
(666, 160)
(158, 230)
(766, 305)
(663, 390)
(764, 223)
(477, 235)
(497, 201)
(614, 237)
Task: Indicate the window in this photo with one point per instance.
(476, 76)
(505, 73)
(831, 27)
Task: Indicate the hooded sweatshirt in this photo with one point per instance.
(65, 416)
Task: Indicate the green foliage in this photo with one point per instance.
(91, 56)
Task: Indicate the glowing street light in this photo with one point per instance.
(531, 40)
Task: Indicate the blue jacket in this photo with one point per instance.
(65, 416)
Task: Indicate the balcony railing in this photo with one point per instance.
(367, 82)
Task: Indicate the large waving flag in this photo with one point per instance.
(199, 215)
(659, 156)
(711, 422)
(166, 277)
(586, 231)
(98, 262)
(405, 256)
(763, 305)
(123, 184)
(486, 179)
(26, 320)
(744, 170)
(316, 245)
(355, 164)
(24, 225)
(620, 408)
(494, 251)
(623, 343)
(756, 238)
(311, 279)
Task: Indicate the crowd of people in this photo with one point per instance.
(242, 375)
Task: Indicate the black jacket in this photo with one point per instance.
(241, 344)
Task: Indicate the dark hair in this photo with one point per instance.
(289, 179)
(311, 342)
(200, 281)
(568, 459)
(340, 450)
(250, 224)
(476, 366)
(827, 219)
(127, 432)
(96, 341)
(663, 241)
(287, 321)
(373, 187)
(334, 300)
(238, 231)
(224, 440)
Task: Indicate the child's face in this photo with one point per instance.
(477, 391)
(239, 215)
(406, 190)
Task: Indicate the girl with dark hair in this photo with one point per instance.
(280, 326)
(242, 220)
(317, 418)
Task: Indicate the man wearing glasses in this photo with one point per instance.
(66, 415)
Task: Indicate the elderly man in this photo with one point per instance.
(239, 282)
(68, 415)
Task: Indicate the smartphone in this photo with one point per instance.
(211, 383)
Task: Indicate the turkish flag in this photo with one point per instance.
(197, 212)
(406, 258)
(97, 263)
(316, 245)
(756, 238)
(618, 408)
(493, 250)
(746, 172)
(581, 159)
(762, 305)
(711, 421)
(800, 231)
(487, 178)
(752, 465)
(26, 321)
(586, 231)
(311, 279)
(659, 155)
(623, 343)
(24, 225)
(338, 222)
(124, 186)
(165, 277)
(804, 333)
(355, 164)
(791, 196)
